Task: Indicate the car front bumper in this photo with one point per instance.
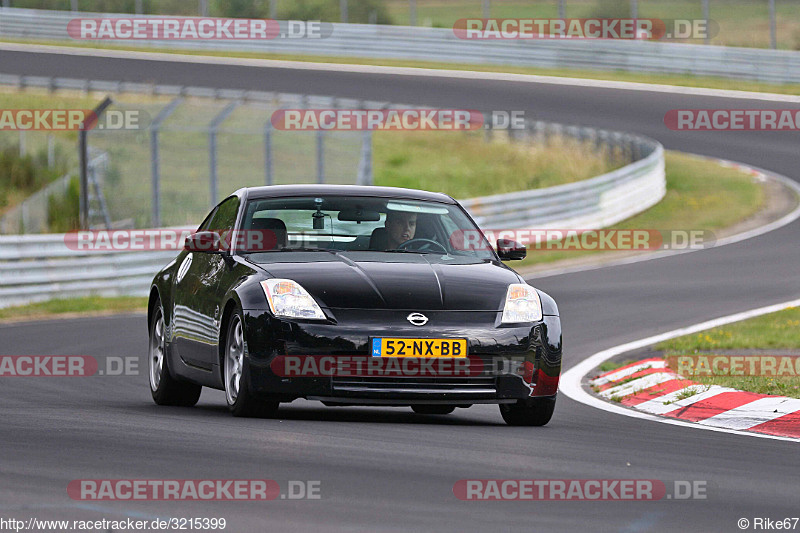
(517, 361)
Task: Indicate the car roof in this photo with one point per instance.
(273, 191)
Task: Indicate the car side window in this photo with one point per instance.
(207, 222)
(224, 217)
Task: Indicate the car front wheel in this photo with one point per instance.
(241, 401)
(165, 389)
(531, 412)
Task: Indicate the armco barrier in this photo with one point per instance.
(441, 44)
(42, 267)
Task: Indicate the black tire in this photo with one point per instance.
(533, 412)
(241, 402)
(433, 409)
(165, 389)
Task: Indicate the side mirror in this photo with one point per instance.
(509, 250)
(204, 241)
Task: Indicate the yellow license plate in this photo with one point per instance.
(393, 347)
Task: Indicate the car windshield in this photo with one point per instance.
(355, 224)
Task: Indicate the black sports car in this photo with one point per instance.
(352, 296)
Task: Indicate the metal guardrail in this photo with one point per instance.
(594, 203)
(441, 44)
(42, 267)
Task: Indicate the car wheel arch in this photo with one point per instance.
(230, 306)
(155, 296)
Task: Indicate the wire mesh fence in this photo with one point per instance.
(165, 163)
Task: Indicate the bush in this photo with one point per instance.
(358, 11)
(63, 213)
(611, 9)
(251, 9)
(18, 174)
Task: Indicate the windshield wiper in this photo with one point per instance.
(285, 249)
(401, 251)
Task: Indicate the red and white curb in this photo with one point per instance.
(651, 387)
(572, 385)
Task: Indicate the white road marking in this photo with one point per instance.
(571, 380)
(644, 382)
(668, 402)
(754, 413)
(625, 372)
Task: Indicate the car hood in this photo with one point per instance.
(374, 280)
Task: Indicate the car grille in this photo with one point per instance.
(470, 386)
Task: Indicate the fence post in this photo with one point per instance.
(365, 164)
(155, 158)
(706, 16)
(22, 148)
(773, 31)
(562, 9)
(51, 151)
(343, 10)
(412, 12)
(83, 149)
(268, 179)
(634, 9)
(212, 148)
(273, 9)
(320, 156)
(486, 9)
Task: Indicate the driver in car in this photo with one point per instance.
(400, 227)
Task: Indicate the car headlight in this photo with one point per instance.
(522, 304)
(288, 299)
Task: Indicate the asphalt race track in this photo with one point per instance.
(389, 469)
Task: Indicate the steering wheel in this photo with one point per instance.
(426, 245)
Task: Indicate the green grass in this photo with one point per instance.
(463, 165)
(774, 331)
(700, 195)
(608, 366)
(71, 306)
(741, 22)
(683, 80)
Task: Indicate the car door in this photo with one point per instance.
(198, 293)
